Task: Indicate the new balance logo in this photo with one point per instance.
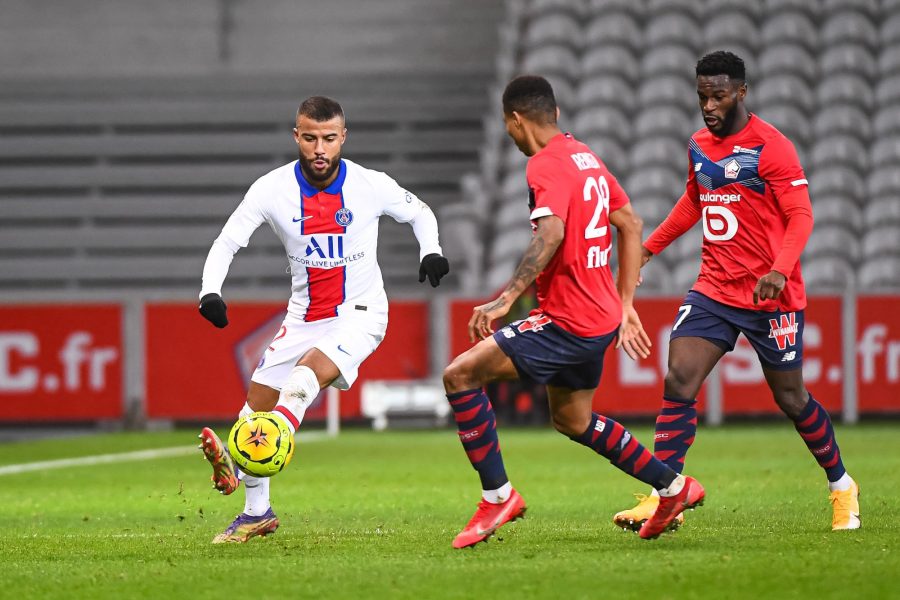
(789, 356)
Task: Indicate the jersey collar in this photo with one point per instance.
(308, 190)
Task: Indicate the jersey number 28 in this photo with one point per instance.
(597, 189)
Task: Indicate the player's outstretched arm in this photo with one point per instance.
(547, 238)
(629, 226)
(425, 227)
(684, 214)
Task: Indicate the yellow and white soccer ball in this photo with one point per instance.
(261, 444)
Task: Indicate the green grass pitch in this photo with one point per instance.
(372, 515)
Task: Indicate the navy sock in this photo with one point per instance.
(609, 439)
(814, 426)
(676, 427)
(478, 433)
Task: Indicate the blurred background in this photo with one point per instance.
(130, 130)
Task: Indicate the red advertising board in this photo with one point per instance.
(60, 362)
(878, 354)
(196, 371)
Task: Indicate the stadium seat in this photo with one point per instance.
(654, 181)
(685, 274)
(882, 211)
(514, 188)
(847, 88)
(669, 121)
(890, 30)
(880, 274)
(886, 153)
(553, 29)
(511, 215)
(838, 211)
(461, 236)
(668, 89)
(539, 9)
(552, 60)
(659, 152)
(610, 152)
(674, 28)
(774, 8)
(787, 58)
(664, 59)
(839, 180)
(849, 58)
(790, 120)
(887, 92)
(844, 119)
(653, 209)
(867, 8)
(603, 121)
(887, 121)
(513, 159)
(657, 279)
(614, 28)
(617, 60)
(839, 150)
(849, 26)
(726, 27)
(884, 182)
(882, 241)
(787, 89)
(597, 8)
(833, 240)
(604, 90)
(827, 274)
(753, 10)
(889, 61)
(690, 8)
(791, 26)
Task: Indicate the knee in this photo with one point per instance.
(459, 376)
(681, 381)
(791, 400)
(568, 426)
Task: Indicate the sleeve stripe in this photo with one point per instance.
(797, 182)
(543, 211)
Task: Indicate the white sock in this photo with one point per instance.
(299, 391)
(498, 496)
(245, 411)
(256, 491)
(842, 484)
(653, 492)
(674, 488)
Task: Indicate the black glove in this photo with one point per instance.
(213, 308)
(434, 266)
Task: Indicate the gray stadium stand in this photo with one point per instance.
(602, 89)
(611, 152)
(617, 28)
(785, 89)
(796, 26)
(673, 28)
(602, 61)
(849, 58)
(889, 35)
(790, 120)
(838, 211)
(787, 58)
(727, 26)
(880, 274)
(882, 211)
(881, 241)
(557, 60)
(668, 58)
(849, 26)
(839, 149)
(752, 10)
(553, 29)
(843, 119)
(847, 88)
(867, 8)
(833, 240)
(828, 274)
(603, 121)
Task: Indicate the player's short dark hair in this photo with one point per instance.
(320, 108)
(531, 96)
(722, 62)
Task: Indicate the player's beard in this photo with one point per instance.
(319, 176)
(726, 123)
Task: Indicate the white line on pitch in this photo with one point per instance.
(99, 459)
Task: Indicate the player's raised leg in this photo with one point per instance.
(463, 381)
(690, 361)
(572, 416)
(814, 425)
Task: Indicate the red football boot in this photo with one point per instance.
(691, 495)
(224, 476)
(489, 518)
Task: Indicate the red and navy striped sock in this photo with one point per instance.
(610, 439)
(478, 434)
(814, 426)
(676, 427)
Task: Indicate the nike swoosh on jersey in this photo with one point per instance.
(342, 350)
(302, 219)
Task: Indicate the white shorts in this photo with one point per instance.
(347, 340)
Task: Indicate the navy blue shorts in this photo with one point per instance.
(546, 353)
(776, 336)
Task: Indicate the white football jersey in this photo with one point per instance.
(330, 235)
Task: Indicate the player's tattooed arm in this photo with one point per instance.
(547, 238)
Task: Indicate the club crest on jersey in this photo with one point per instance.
(732, 168)
(784, 330)
(343, 217)
(535, 323)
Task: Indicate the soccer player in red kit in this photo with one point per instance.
(746, 185)
(574, 201)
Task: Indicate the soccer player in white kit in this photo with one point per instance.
(325, 211)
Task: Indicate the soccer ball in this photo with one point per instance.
(261, 444)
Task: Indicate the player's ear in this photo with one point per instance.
(343, 136)
(557, 114)
(742, 90)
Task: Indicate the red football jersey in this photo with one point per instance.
(740, 186)
(576, 288)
